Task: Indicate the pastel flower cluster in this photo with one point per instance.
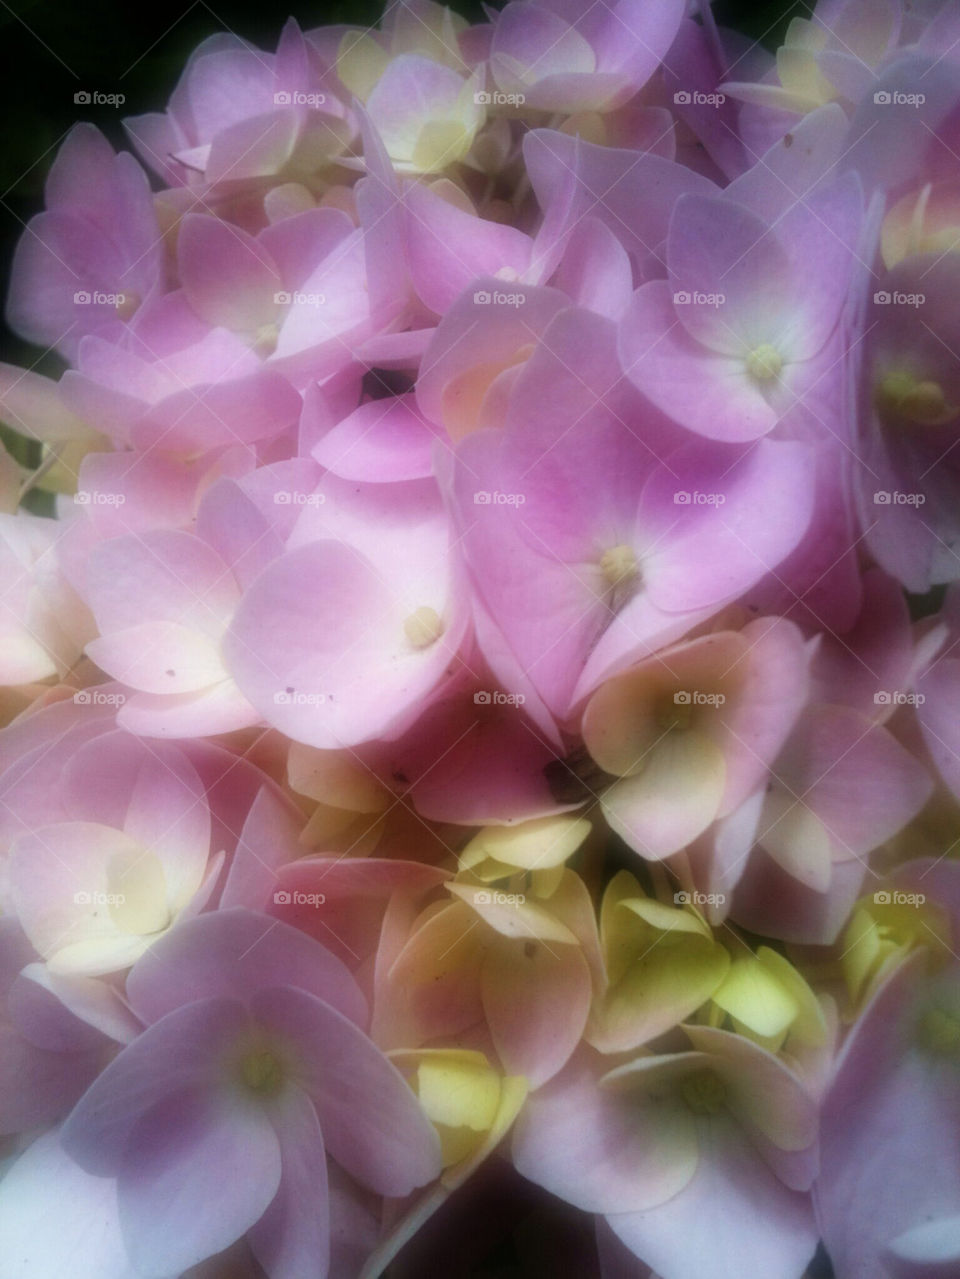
(480, 669)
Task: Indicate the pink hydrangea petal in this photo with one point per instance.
(292, 1237)
(176, 1206)
(178, 1053)
(536, 997)
(372, 1123)
(600, 1151)
(733, 1213)
(232, 954)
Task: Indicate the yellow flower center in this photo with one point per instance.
(764, 363)
(618, 564)
(423, 627)
(262, 1072)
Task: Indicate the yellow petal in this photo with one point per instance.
(335, 778)
(361, 61)
(532, 845)
(459, 1089)
(756, 998)
(511, 915)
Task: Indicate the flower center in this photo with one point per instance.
(764, 363)
(704, 1092)
(423, 627)
(939, 1033)
(262, 1072)
(266, 337)
(923, 402)
(618, 564)
(671, 714)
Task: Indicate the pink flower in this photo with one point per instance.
(252, 1056)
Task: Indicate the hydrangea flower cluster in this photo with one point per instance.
(485, 684)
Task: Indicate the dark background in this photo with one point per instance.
(54, 50)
